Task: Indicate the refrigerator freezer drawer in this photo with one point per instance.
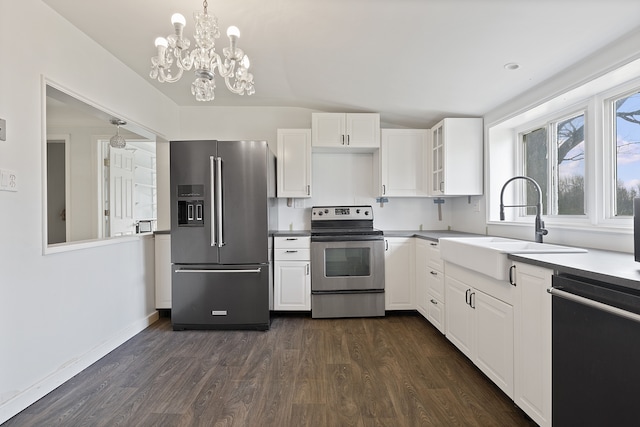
(220, 297)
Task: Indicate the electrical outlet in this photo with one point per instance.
(298, 203)
(3, 130)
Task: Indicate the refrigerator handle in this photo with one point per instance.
(213, 199)
(219, 199)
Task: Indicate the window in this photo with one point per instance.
(626, 122)
(554, 156)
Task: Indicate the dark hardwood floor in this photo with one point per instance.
(391, 371)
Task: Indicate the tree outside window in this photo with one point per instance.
(627, 140)
(557, 163)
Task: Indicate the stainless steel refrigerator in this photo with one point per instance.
(222, 207)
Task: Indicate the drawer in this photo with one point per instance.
(300, 242)
(435, 283)
(435, 313)
(433, 259)
(292, 254)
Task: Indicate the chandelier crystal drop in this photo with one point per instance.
(174, 57)
(117, 140)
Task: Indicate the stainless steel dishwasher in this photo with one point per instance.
(595, 353)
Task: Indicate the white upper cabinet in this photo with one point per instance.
(357, 131)
(403, 162)
(294, 163)
(456, 157)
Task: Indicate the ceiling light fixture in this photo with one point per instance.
(203, 58)
(511, 66)
(117, 140)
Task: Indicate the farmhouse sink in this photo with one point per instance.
(488, 255)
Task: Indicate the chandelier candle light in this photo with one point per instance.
(203, 58)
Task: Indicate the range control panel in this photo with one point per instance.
(322, 213)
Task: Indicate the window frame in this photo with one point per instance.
(549, 122)
(609, 147)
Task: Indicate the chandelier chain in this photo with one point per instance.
(205, 4)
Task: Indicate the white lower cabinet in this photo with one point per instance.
(399, 274)
(479, 321)
(421, 251)
(292, 274)
(163, 270)
(429, 297)
(533, 342)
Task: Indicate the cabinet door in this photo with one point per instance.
(363, 130)
(456, 167)
(459, 319)
(493, 321)
(163, 270)
(399, 274)
(437, 154)
(328, 129)
(421, 250)
(402, 162)
(532, 312)
(294, 163)
(292, 286)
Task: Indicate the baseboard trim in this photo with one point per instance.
(23, 399)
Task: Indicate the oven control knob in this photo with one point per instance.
(366, 212)
(326, 211)
(320, 213)
(358, 211)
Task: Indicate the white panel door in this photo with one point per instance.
(121, 194)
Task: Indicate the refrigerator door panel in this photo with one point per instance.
(244, 215)
(220, 297)
(192, 202)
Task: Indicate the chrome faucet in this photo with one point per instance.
(539, 224)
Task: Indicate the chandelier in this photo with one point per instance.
(174, 50)
(117, 140)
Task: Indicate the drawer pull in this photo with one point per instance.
(434, 302)
(435, 273)
(290, 252)
(292, 238)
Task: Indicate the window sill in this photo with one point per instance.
(87, 244)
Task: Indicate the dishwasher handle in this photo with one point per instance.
(594, 304)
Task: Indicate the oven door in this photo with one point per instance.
(347, 265)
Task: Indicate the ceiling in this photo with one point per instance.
(414, 61)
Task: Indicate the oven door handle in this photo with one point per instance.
(594, 304)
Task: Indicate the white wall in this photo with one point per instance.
(60, 312)
(620, 53)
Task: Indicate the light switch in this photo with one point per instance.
(8, 180)
(3, 130)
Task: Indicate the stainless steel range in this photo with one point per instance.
(347, 263)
